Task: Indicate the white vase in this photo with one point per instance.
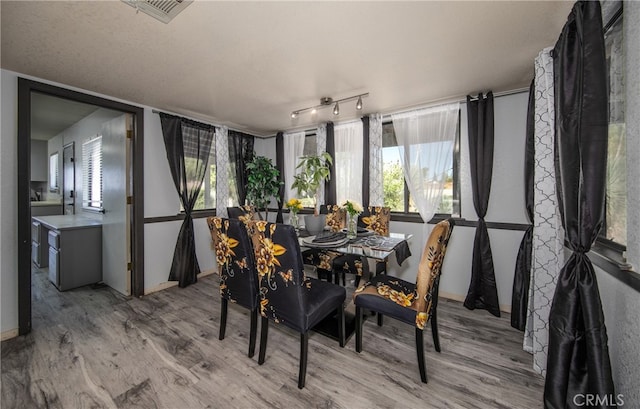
(314, 224)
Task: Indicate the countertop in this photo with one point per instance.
(66, 222)
(46, 203)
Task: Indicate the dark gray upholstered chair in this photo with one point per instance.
(287, 297)
(414, 304)
(237, 269)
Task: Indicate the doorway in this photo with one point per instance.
(68, 178)
(134, 136)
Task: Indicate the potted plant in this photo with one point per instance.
(314, 171)
(263, 183)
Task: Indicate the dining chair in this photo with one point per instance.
(245, 212)
(376, 219)
(237, 270)
(287, 296)
(322, 259)
(414, 304)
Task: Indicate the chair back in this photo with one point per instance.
(336, 218)
(245, 212)
(283, 286)
(429, 271)
(236, 263)
(376, 218)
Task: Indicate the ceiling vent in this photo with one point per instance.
(163, 10)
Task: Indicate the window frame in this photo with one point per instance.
(607, 248)
(88, 168)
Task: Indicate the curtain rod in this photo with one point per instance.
(156, 111)
(443, 102)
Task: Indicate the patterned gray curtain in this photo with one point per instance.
(188, 146)
(547, 242)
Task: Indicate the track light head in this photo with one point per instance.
(328, 102)
(336, 109)
(294, 114)
(359, 103)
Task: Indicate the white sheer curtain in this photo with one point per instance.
(425, 144)
(348, 161)
(376, 197)
(222, 169)
(321, 146)
(293, 149)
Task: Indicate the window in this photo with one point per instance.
(53, 172)
(395, 191)
(615, 229)
(310, 149)
(207, 195)
(92, 174)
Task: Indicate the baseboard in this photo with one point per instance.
(12, 333)
(169, 284)
(456, 297)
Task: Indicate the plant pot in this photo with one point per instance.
(314, 224)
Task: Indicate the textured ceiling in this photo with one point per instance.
(249, 64)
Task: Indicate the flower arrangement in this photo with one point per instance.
(351, 207)
(294, 205)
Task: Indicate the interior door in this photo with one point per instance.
(68, 178)
(116, 180)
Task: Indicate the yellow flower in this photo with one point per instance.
(294, 205)
(421, 320)
(401, 298)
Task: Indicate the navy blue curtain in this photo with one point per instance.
(240, 153)
(522, 275)
(578, 359)
(280, 166)
(330, 185)
(365, 161)
(188, 146)
(483, 293)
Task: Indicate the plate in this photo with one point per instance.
(330, 244)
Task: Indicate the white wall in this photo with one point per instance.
(79, 133)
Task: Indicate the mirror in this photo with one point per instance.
(53, 173)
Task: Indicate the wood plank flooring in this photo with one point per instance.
(93, 348)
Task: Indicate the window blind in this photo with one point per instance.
(92, 173)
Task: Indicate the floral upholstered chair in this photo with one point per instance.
(237, 270)
(376, 219)
(322, 260)
(414, 304)
(287, 297)
(244, 213)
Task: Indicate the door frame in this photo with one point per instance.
(25, 88)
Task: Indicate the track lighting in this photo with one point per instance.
(328, 101)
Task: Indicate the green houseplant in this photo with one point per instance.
(314, 171)
(263, 183)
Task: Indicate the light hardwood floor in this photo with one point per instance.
(92, 347)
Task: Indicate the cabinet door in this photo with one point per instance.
(54, 265)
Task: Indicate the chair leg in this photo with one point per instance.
(304, 348)
(420, 351)
(264, 330)
(358, 329)
(380, 319)
(434, 330)
(223, 317)
(357, 281)
(341, 326)
(253, 331)
(344, 279)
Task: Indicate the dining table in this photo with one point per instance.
(370, 247)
